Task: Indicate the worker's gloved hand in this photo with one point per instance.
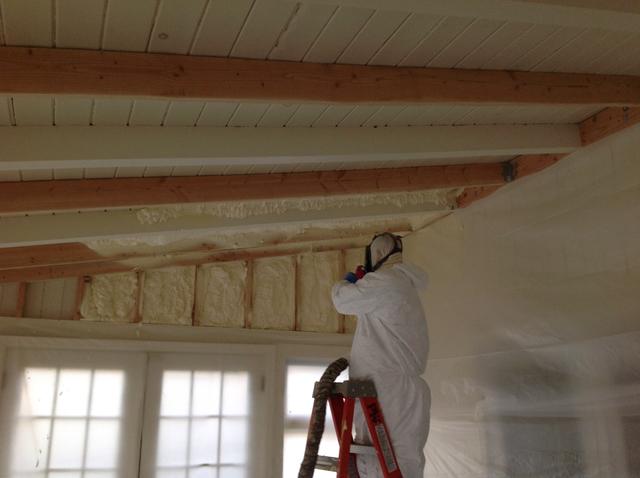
(360, 272)
(351, 277)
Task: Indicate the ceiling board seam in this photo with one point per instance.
(242, 28)
(482, 43)
(389, 37)
(92, 112)
(452, 41)
(165, 114)
(103, 28)
(156, 14)
(537, 44)
(263, 115)
(437, 25)
(53, 110)
(358, 33)
(288, 122)
(285, 28)
(560, 49)
(131, 107)
(320, 33)
(54, 22)
(196, 32)
(3, 30)
(615, 48)
(204, 105)
(506, 45)
(233, 115)
(12, 114)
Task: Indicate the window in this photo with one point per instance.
(300, 379)
(65, 419)
(202, 423)
(88, 414)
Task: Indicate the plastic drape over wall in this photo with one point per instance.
(534, 317)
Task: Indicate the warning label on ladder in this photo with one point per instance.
(385, 447)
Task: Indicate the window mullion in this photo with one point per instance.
(86, 424)
(53, 412)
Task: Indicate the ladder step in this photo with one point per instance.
(327, 463)
(362, 449)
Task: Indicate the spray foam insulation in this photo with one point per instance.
(168, 295)
(110, 297)
(220, 294)
(316, 275)
(274, 293)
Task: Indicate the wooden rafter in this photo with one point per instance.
(54, 195)
(606, 122)
(84, 72)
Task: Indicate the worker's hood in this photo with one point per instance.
(418, 277)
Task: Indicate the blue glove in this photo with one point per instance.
(351, 277)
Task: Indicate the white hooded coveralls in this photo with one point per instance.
(390, 347)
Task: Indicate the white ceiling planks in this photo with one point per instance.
(265, 23)
(72, 111)
(547, 48)
(148, 112)
(302, 31)
(111, 112)
(217, 114)
(176, 26)
(278, 115)
(33, 110)
(5, 111)
(248, 114)
(27, 22)
(183, 113)
(220, 27)
(128, 24)
(79, 23)
(484, 50)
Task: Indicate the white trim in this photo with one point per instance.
(63, 147)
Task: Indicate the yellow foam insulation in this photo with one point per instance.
(352, 259)
(168, 296)
(316, 275)
(110, 297)
(220, 294)
(273, 293)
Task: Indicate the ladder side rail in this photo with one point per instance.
(380, 437)
(346, 437)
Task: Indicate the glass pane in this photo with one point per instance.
(204, 472)
(294, 445)
(67, 443)
(204, 441)
(206, 393)
(171, 474)
(235, 400)
(176, 391)
(72, 398)
(233, 442)
(102, 444)
(237, 472)
(37, 391)
(106, 399)
(100, 474)
(29, 451)
(65, 474)
(300, 382)
(172, 442)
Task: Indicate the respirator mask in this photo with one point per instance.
(369, 266)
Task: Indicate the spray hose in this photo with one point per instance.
(316, 425)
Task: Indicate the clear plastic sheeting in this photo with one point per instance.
(534, 314)
(554, 411)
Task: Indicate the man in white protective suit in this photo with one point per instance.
(390, 347)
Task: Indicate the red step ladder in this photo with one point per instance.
(342, 403)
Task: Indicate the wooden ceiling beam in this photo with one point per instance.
(20, 197)
(607, 122)
(98, 73)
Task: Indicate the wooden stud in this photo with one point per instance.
(21, 299)
(248, 294)
(16, 197)
(80, 287)
(139, 297)
(296, 290)
(99, 73)
(342, 269)
(533, 163)
(607, 122)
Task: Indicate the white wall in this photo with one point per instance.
(534, 316)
